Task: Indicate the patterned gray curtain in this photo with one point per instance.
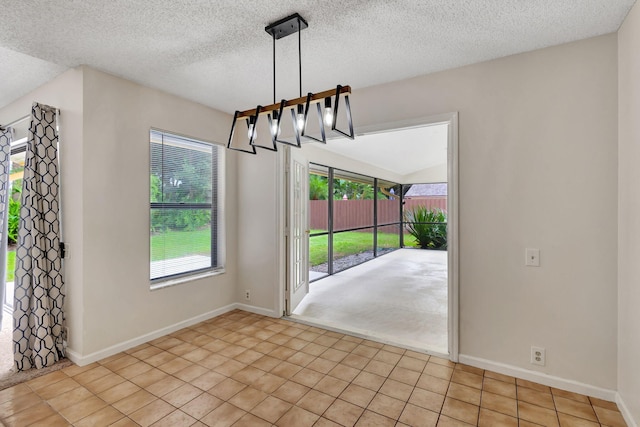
(38, 315)
(6, 135)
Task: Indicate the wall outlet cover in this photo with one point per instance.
(538, 356)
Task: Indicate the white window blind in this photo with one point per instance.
(183, 206)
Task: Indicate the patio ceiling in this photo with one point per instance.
(403, 152)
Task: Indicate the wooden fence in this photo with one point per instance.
(359, 213)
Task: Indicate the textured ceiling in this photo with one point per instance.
(217, 53)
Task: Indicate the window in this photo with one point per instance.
(184, 206)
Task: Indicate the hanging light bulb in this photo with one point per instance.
(328, 112)
(275, 129)
(300, 118)
(251, 133)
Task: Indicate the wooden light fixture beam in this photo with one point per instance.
(315, 98)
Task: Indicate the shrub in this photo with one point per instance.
(428, 227)
(13, 216)
(176, 219)
(318, 187)
(179, 219)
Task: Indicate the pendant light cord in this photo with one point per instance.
(273, 35)
(274, 67)
(299, 56)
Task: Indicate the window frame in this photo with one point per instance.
(216, 225)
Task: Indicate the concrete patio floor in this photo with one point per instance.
(400, 298)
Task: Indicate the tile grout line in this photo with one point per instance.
(517, 404)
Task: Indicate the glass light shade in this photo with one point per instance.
(251, 129)
(328, 116)
(328, 112)
(300, 118)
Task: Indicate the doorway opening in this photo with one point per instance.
(384, 290)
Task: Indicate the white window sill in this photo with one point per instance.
(185, 279)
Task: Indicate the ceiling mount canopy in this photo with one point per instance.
(311, 116)
(286, 26)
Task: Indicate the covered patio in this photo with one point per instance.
(400, 298)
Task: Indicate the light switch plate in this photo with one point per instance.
(532, 257)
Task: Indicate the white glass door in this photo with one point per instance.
(298, 230)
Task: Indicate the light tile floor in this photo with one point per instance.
(243, 369)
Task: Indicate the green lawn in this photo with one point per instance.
(349, 243)
(176, 244)
(11, 265)
(410, 241)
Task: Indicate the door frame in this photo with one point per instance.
(451, 119)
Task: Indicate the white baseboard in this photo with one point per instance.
(257, 310)
(81, 360)
(541, 378)
(624, 410)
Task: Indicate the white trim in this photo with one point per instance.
(624, 410)
(80, 360)
(540, 378)
(453, 238)
(281, 242)
(188, 277)
(258, 310)
(407, 124)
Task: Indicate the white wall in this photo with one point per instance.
(629, 212)
(118, 303)
(258, 231)
(105, 124)
(538, 168)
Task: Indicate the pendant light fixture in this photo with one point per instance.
(295, 120)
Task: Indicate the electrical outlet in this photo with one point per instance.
(538, 355)
(247, 294)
